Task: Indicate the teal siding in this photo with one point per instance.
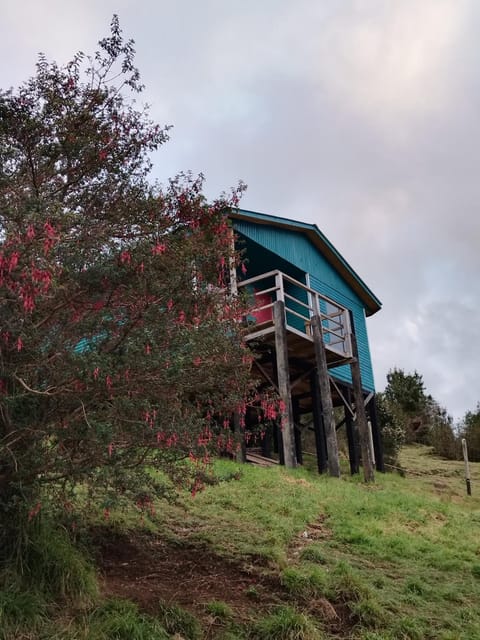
(296, 249)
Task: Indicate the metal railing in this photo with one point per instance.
(301, 303)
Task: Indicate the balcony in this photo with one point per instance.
(301, 304)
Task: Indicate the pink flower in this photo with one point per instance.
(159, 248)
(125, 257)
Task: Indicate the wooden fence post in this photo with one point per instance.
(325, 397)
(467, 466)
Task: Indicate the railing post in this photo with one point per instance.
(326, 397)
(281, 349)
(279, 285)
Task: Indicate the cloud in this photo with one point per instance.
(360, 116)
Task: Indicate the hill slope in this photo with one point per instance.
(268, 553)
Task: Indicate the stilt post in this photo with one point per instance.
(351, 435)
(362, 424)
(283, 373)
(326, 397)
(377, 437)
(241, 454)
(320, 443)
(297, 431)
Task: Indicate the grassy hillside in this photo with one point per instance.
(271, 554)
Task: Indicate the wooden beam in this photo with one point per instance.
(362, 424)
(266, 376)
(281, 348)
(302, 377)
(326, 397)
(347, 403)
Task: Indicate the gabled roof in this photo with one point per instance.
(323, 245)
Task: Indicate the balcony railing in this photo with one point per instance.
(301, 303)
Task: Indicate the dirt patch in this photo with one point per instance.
(150, 571)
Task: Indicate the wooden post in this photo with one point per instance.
(362, 425)
(467, 466)
(297, 431)
(352, 444)
(283, 373)
(320, 443)
(377, 438)
(325, 397)
(241, 454)
(267, 442)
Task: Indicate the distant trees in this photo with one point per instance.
(408, 414)
(470, 430)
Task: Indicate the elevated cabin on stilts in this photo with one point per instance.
(308, 322)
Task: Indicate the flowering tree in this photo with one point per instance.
(120, 350)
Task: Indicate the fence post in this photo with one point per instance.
(467, 466)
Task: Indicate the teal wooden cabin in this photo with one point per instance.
(294, 263)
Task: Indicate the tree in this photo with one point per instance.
(120, 349)
(405, 395)
(393, 433)
(409, 414)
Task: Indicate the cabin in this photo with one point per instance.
(307, 318)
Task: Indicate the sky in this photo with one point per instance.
(362, 116)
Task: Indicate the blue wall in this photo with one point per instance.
(296, 248)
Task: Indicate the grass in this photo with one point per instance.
(399, 559)
(176, 620)
(285, 623)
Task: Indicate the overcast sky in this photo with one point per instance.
(362, 116)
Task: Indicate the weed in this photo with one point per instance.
(367, 612)
(285, 624)
(20, 607)
(313, 553)
(252, 592)
(121, 620)
(219, 610)
(55, 568)
(304, 585)
(347, 584)
(416, 586)
(476, 570)
(178, 620)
